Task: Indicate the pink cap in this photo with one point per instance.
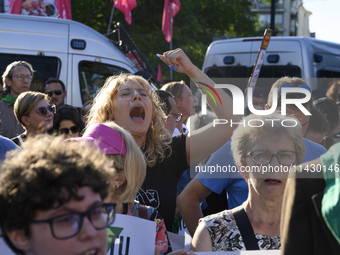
(107, 139)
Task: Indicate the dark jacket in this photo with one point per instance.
(303, 229)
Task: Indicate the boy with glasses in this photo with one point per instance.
(16, 79)
(51, 199)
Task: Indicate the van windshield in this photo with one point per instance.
(92, 76)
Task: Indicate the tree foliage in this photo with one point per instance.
(195, 25)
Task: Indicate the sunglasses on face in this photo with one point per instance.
(56, 92)
(66, 131)
(44, 110)
(177, 116)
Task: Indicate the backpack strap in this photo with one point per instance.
(245, 228)
(143, 211)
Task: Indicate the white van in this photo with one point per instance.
(313, 60)
(73, 52)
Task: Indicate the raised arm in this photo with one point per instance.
(203, 142)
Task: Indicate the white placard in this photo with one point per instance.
(176, 241)
(265, 252)
(131, 235)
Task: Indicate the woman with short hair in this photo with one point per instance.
(34, 113)
(256, 148)
(128, 176)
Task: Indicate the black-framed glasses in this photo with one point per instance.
(22, 77)
(65, 131)
(69, 224)
(44, 110)
(285, 158)
(57, 92)
(177, 116)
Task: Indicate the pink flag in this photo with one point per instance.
(64, 8)
(159, 74)
(15, 6)
(167, 24)
(125, 6)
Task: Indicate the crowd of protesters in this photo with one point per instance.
(128, 150)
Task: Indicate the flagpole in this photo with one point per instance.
(170, 36)
(113, 9)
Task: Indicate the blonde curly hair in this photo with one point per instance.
(158, 139)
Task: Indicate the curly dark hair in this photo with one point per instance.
(47, 175)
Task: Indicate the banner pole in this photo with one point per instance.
(113, 9)
(170, 36)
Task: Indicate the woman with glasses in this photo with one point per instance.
(51, 199)
(185, 102)
(128, 101)
(34, 113)
(264, 152)
(168, 106)
(67, 122)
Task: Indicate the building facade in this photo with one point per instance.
(291, 18)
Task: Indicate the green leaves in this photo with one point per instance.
(195, 25)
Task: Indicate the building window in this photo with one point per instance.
(264, 19)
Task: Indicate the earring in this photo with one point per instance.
(116, 187)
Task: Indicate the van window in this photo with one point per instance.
(92, 76)
(326, 77)
(45, 67)
(245, 72)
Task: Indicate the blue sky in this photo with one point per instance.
(325, 19)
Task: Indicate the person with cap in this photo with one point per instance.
(130, 170)
(51, 199)
(128, 100)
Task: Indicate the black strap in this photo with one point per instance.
(245, 228)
